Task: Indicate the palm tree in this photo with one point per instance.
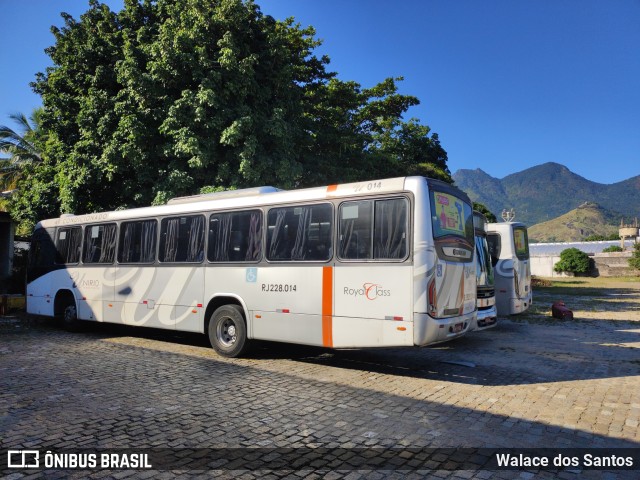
(21, 146)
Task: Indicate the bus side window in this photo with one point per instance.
(182, 239)
(235, 237)
(390, 229)
(100, 243)
(68, 241)
(374, 229)
(356, 225)
(493, 241)
(300, 233)
(42, 252)
(137, 241)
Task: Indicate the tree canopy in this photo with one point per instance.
(174, 97)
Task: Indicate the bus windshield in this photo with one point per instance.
(521, 243)
(484, 269)
(451, 216)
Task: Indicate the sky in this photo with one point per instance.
(505, 84)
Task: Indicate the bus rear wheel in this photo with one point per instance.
(228, 331)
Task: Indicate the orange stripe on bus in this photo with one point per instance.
(332, 188)
(327, 306)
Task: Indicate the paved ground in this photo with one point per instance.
(523, 384)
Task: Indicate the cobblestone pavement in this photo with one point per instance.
(546, 384)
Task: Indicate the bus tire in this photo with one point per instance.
(70, 320)
(228, 331)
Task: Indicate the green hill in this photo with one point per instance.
(588, 219)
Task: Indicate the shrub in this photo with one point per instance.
(572, 260)
(612, 248)
(634, 261)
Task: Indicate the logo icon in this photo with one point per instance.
(251, 275)
(23, 459)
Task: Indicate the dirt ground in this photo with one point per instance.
(599, 298)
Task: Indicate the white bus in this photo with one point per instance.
(486, 291)
(371, 264)
(509, 249)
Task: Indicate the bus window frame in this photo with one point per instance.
(211, 213)
(265, 245)
(118, 248)
(409, 224)
(159, 242)
(80, 245)
(86, 227)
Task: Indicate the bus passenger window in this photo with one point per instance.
(235, 237)
(182, 239)
(301, 233)
(100, 243)
(137, 241)
(390, 229)
(356, 224)
(374, 230)
(68, 243)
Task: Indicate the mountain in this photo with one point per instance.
(588, 219)
(547, 191)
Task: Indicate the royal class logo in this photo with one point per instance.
(370, 291)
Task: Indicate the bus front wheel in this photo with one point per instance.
(70, 318)
(228, 331)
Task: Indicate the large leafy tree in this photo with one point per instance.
(172, 97)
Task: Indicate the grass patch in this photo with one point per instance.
(599, 298)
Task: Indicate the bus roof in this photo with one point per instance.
(252, 197)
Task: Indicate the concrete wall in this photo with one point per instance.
(615, 264)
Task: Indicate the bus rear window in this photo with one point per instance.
(451, 216)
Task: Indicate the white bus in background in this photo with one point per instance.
(509, 250)
(372, 264)
(486, 291)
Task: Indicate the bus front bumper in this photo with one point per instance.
(487, 318)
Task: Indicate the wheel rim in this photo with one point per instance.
(70, 313)
(226, 332)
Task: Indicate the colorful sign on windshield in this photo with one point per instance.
(449, 214)
(520, 239)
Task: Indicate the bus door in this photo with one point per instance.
(373, 283)
(294, 293)
(95, 282)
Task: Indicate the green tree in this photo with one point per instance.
(479, 207)
(174, 97)
(22, 146)
(572, 260)
(634, 261)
